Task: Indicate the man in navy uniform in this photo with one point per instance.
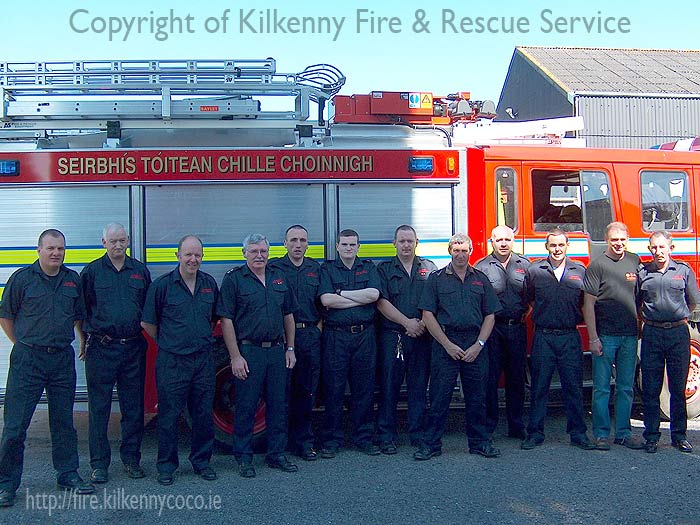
(507, 344)
(179, 315)
(405, 344)
(257, 320)
(554, 286)
(114, 287)
(667, 292)
(458, 306)
(302, 275)
(41, 310)
(349, 289)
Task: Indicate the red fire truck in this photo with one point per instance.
(176, 147)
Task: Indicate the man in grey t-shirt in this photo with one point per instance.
(609, 310)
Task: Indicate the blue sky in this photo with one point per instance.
(399, 60)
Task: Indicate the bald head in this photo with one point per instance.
(502, 242)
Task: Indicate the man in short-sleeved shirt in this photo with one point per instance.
(458, 305)
(257, 308)
(41, 307)
(302, 275)
(115, 287)
(611, 318)
(554, 286)
(179, 315)
(404, 349)
(507, 344)
(349, 289)
(667, 292)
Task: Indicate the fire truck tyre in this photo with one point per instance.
(692, 386)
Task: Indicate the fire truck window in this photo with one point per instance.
(506, 198)
(556, 200)
(664, 200)
(597, 208)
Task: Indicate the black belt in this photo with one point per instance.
(556, 331)
(304, 325)
(261, 344)
(105, 340)
(353, 329)
(508, 322)
(47, 349)
(667, 325)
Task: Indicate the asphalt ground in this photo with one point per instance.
(553, 484)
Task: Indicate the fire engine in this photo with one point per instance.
(223, 148)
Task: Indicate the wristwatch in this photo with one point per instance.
(290, 349)
(481, 343)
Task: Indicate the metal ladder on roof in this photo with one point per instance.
(151, 93)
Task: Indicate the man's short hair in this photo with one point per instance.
(254, 238)
(348, 233)
(404, 228)
(617, 225)
(51, 232)
(502, 227)
(179, 244)
(554, 233)
(295, 227)
(664, 234)
(460, 238)
(113, 227)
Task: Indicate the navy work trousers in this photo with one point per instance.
(303, 388)
(267, 377)
(185, 380)
(669, 346)
(349, 357)
(415, 367)
(123, 365)
(31, 371)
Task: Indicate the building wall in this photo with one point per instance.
(531, 94)
(637, 122)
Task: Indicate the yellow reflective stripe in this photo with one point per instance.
(2, 289)
(75, 256)
(222, 253)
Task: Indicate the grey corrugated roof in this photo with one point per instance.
(606, 70)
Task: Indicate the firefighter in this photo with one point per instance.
(302, 274)
(257, 308)
(42, 309)
(349, 289)
(114, 287)
(404, 343)
(458, 306)
(611, 319)
(554, 286)
(666, 294)
(179, 315)
(507, 344)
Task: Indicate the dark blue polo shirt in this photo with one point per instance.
(457, 305)
(665, 297)
(184, 320)
(44, 309)
(114, 298)
(556, 304)
(336, 276)
(257, 311)
(401, 289)
(304, 281)
(508, 283)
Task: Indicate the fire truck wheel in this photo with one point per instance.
(224, 396)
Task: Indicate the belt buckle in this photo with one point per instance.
(266, 344)
(122, 341)
(667, 325)
(51, 350)
(356, 329)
